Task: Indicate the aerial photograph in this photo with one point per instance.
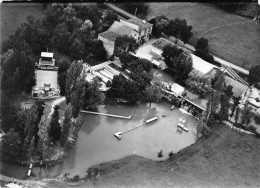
(129, 94)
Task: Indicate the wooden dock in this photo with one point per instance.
(109, 115)
(119, 134)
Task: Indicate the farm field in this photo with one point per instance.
(237, 42)
(13, 14)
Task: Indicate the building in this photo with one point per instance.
(46, 75)
(251, 97)
(104, 72)
(140, 30)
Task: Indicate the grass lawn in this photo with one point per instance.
(239, 44)
(13, 14)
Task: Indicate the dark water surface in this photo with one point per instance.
(96, 143)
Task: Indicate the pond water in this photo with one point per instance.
(96, 143)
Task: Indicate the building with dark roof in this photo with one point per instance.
(138, 29)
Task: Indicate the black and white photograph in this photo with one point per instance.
(129, 94)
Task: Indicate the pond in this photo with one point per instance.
(96, 143)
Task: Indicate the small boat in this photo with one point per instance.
(172, 107)
(182, 120)
(152, 119)
(118, 135)
(181, 123)
(183, 127)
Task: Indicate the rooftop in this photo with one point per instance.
(120, 28)
(142, 24)
(200, 65)
(47, 54)
(110, 35)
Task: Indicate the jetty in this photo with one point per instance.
(119, 134)
(109, 115)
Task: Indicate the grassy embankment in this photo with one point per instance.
(238, 44)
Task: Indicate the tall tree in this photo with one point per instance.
(170, 54)
(225, 105)
(154, 92)
(254, 73)
(66, 125)
(109, 19)
(183, 66)
(179, 29)
(60, 37)
(31, 148)
(55, 128)
(202, 44)
(73, 74)
(11, 144)
(77, 97)
(124, 43)
(93, 96)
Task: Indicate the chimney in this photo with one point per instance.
(144, 21)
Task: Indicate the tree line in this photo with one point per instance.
(67, 28)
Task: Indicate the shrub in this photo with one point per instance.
(257, 120)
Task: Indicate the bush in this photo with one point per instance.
(257, 120)
(252, 128)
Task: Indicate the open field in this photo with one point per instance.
(236, 42)
(13, 14)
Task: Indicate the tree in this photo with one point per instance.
(225, 105)
(179, 29)
(124, 43)
(170, 54)
(43, 132)
(237, 114)
(77, 97)
(219, 85)
(90, 12)
(55, 128)
(202, 44)
(109, 19)
(202, 129)
(205, 56)
(126, 58)
(11, 144)
(99, 51)
(236, 103)
(31, 127)
(200, 85)
(93, 96)
(31, 148)
(254, 73)
(66, 125)
(228, 91)
(77, 49)
(153, 92)
(183, 66)
(73, 73)
(60, 37)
